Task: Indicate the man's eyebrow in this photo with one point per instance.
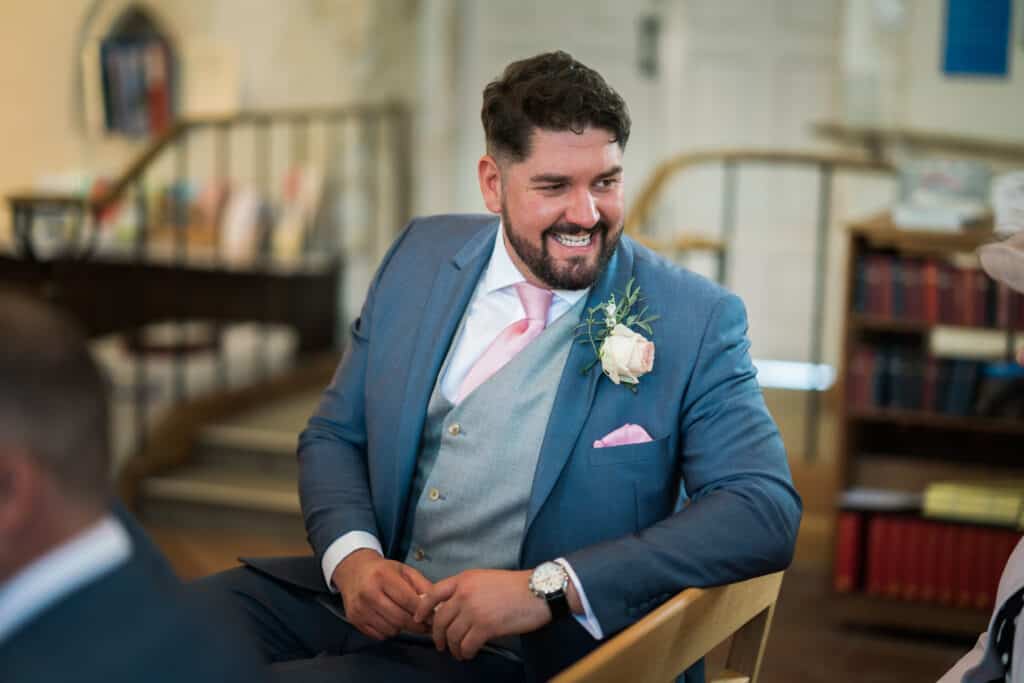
(549, 178)
(613, 171)
(553, 178)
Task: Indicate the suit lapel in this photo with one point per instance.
(575, 390)
(449, 295)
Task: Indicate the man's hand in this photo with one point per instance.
(470, 608)
(380, 595)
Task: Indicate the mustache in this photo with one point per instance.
(574, 229)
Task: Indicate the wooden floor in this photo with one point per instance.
(808, 643)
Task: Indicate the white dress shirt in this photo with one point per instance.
(495, 305)
(98, 549)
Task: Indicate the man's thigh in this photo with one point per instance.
(398, 660)
(285, 621)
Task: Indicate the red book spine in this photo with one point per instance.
(984, 589)
(930, 561)
(913, 559)
(894, 564)
(966, 565)
(980, 290)
(947, 312)
(947, 564)
(847, 560)
(876, 553)
(931, 291)
(963, 297)
(1002, 305)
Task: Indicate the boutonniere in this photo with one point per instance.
(625, 355)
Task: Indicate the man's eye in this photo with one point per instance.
(552, 188)
(607, 182)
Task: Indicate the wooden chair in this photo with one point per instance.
(667, 641)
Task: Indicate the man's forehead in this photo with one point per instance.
(550, 150)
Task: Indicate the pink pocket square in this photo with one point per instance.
(625, 435)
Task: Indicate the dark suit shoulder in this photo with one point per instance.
(127, 625)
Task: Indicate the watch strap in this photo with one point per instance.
(558, 603)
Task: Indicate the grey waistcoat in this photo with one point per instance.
(477, 460)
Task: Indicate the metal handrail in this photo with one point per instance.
(826, 164)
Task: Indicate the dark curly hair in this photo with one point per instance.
(552, 91)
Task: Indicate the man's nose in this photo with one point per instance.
(582, 209)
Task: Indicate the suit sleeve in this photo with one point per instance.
(334, 486)
(743, 513)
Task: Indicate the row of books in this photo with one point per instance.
(905, 557)
(995, 502)
(933, 291)
(903, 378)
(137, 86)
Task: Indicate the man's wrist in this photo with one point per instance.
(353, 559)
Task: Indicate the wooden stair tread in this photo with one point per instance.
(727, 676)
(213, 486)
(286, 415)
(238, 437)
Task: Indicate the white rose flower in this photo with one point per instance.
(626, 355)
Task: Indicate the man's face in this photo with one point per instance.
(562, 207)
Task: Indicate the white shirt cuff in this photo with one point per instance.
(588, 621)
(345, 546)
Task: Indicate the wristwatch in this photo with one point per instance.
(549, 582)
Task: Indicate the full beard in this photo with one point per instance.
(574, 273)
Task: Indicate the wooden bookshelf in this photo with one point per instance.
(897, 444)
(935, 421)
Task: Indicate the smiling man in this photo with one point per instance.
(492, 482)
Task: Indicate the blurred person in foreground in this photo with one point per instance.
(999, 652)
(84, 595)
(496, 468)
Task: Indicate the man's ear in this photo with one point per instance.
(489, 175)
(21, 483)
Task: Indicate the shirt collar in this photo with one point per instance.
(502, 273)
(61, 571)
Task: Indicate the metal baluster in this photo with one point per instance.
(300, 139)
(729, 183)
(222, 164)
(818, 305)
(263, 167)
(140, 371)
(180, 257)
(371, 171)
(336, 242)
(24, 215)
(402, 168)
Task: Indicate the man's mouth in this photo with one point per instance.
(572, 241)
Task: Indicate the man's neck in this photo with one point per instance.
(53, 526)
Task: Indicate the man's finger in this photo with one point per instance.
(401, 593)
(443, 617)
(389, 611)
(419, 583)
(441, 592)
(456, 631)
(472, 642)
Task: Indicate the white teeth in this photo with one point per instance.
(572, 241)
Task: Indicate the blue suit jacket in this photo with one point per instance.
(611, 512)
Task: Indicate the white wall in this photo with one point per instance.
(292, 54)
(892, 65)
(992, 108)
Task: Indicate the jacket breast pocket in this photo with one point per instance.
(632, 453)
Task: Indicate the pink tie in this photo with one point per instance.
(512, 339)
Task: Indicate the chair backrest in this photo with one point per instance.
(670, 639)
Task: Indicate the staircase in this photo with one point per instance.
(237, 495)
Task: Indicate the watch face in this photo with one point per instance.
(548, 578)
